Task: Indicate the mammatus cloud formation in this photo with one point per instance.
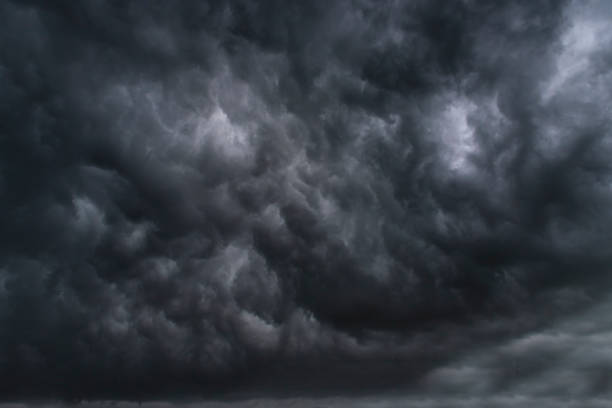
(318, 201)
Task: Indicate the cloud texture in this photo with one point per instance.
(305, 198)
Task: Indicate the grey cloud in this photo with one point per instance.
(568, 360)
(238, 198)
(388, 402)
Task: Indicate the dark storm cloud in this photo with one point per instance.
(203, 198)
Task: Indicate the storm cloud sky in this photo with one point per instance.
(306, 203)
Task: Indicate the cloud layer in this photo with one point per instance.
(304, 198)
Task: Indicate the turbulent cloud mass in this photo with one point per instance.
(317, 203)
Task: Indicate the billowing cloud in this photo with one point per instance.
(305, 199)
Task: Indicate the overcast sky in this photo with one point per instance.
(324, 203)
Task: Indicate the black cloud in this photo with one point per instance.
(328, 197)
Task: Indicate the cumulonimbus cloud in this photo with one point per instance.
(294, 197)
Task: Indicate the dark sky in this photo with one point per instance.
(325, 203)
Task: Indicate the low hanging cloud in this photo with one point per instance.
(321, 199)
